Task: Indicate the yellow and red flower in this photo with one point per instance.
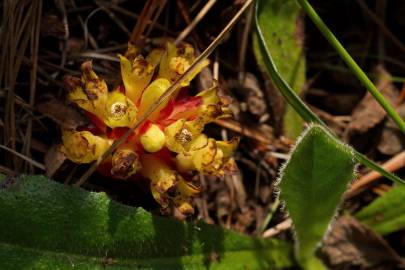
(170, 144)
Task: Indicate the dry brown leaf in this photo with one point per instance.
(368, 113)
(64, 115)
(351, 245)
(53, 160)
(52, 25)
(392, 139)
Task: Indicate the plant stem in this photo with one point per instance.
(270, 214)
(300, 107)
(351, 63)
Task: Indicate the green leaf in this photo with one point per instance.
(387, 213)
(46, 225)
(282, 26)
(311, 185)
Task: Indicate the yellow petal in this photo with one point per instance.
(194, 73)
(180, 134)
(208, 156)
(164, 69)
(136, 76)
(184, 192)
(125, 162)
(151, 94)
(89, 96)
(155, 56)
(179, 65)
(95, 89)
(83, 146)
(214, 106)
(120, 111)
(209, 159)
(153, 139)
(185, 161)
(228, 147)
(162, 178)
(132, 52)
(176, 60)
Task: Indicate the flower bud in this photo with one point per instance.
(151, 94)
(153, 139)
(125, 162)
(83, 146)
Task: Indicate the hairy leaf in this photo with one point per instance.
(46, 225)
(282, 28)
(311, 185)
(387, 213)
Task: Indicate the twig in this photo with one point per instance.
(135, 16)
(395, 163)
(114, 18)
(33, 162)
(246, 131)
(186, 16)
(155, 17)
(196, 20)
(86, 29)
(166, 94)
(283, 226)
(384, 29)
(144, 18)
(95, 55)
(86, 33)
(243, 47)
(33, 82)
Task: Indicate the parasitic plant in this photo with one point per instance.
(170, 146)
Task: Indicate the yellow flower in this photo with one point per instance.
(83, 146)
(120, 111)
(176, 60)
(183, 194)
(208, 156)
(136, 76)
(90, 93)
(162, 177)
(180, 134)
(167, 185)
(170, 145)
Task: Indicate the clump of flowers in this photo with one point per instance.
(170, 146)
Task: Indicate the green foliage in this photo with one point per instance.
(387, 213)
(311, 185)
(299, 106)
(46, 225)
(280, 21)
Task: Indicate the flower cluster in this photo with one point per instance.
(170, 145)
